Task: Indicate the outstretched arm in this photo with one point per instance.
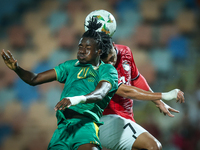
(133, 92)
(101, 90)
(140, 82)
(164, 108)
(27, 76)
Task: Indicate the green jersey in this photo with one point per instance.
(82, 79)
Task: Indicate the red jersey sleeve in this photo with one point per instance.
(141, 83)
(119, 82)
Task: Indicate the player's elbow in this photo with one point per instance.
(32, 84)
(99, 97)
(121, 93)
(126, 94)
(33, 81)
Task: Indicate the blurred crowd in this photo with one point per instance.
(164, 38)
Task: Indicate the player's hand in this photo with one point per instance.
(166, 109)
(180, 97)
(9, 60)
(61, 105)
(70, 101)
(176, 94)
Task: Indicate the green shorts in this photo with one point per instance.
(73, 133)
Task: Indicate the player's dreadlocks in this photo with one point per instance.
(104, 41)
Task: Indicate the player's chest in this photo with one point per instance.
(83, 73)
(124, 72)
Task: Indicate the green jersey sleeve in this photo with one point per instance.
(109, 73)
(63, 69)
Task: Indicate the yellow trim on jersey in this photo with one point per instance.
(107, 81)
(56, 74)
(96, 129)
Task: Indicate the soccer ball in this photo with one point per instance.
(106, 18)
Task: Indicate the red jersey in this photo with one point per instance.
(127, 73)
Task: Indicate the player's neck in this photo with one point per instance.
(96, 65)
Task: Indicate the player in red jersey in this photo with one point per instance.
(120, 131)
(127, 74)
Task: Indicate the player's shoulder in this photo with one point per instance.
(122, 48)
(70, 62)
(104, 65)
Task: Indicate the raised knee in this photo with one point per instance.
(146, 142)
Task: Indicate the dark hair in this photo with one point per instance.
(104, 41)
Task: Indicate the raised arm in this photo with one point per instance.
(27, 76)
(101, 90)
(133, 92)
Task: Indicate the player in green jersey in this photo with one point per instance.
(89, 86)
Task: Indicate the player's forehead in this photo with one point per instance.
(87, 41)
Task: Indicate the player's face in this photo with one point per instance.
(88, 52)
(112, 57)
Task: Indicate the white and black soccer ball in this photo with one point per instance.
(108, 21)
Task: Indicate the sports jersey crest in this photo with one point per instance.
(82, 73)
(126, 66)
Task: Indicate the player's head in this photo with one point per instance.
(108, 25)
(110, 57)
(107, 20)
(93, 44)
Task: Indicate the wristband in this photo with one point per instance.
(77, 99)
(170, 95)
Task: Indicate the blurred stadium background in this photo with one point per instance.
(162, 34)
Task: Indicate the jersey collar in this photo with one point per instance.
(87, 65)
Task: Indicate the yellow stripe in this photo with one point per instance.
(56, 74)
(96, 129)
(106, 81)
